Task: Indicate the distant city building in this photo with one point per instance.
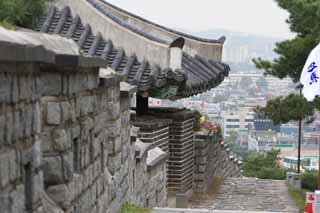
(237, 121)
(265, 125)
(307, 163)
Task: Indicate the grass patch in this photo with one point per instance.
(299, 197)
(7, 25)
(128, 208)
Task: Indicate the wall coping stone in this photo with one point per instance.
(155, 157)
(171, 113)
(29, 46)
(141, 149)
(149, 122)
(127, 90)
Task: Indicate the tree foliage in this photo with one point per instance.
(285, 109)
(264, 166)
(22, 13)
(240, 151)
(309, 180)
(293, 53)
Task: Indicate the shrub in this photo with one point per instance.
(128, 208)
(309, 180)
(22, 13)
(264, 166)
(196, 122)
(272, 173)
(8, 26)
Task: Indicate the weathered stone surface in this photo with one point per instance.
(53, 113)
(251, 194)
(211, 159)
(60, 140)
(60, 194)
(53, 173)
(62, 131)
(48, 205)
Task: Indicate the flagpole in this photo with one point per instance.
(318, 164)
(299, 139)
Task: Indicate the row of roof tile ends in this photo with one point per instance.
(197, 75)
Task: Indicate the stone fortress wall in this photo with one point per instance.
(65, 141)
(212, 158)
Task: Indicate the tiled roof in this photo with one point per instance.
(103, 3)
(196, 76)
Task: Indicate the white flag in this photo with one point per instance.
(310, 76)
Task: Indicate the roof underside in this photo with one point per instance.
(196, 76)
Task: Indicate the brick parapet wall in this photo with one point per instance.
(181, 147)
(153, 130)
(212, 159)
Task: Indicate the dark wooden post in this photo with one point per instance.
(299, 139)
(142, 104)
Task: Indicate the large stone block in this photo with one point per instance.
(36, 119)
(114, 163)
(25, 84)
(9, 168)
(18, 132)
(50, 84)
(67, 161)
(36, 153)
(2, 129)
(28, 112)
(38, 187)
(60, 194)
(68, 113)
(61, 141)
(5, 81)
(86, 105)
(53, 171)
(53, 113)
(8, 125)
(14, 96)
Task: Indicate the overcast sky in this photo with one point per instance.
(262, 17)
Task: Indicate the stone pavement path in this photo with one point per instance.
(251, 194)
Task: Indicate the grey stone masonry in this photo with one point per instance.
(29, 102)
(149, 176)
(212, 159)
(65, 132)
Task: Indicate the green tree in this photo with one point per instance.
(264, 166)
(241, 151)
(309, 180)
(22, 13)
(293, 54)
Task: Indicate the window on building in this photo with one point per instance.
(233, 120)
(233, 126)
